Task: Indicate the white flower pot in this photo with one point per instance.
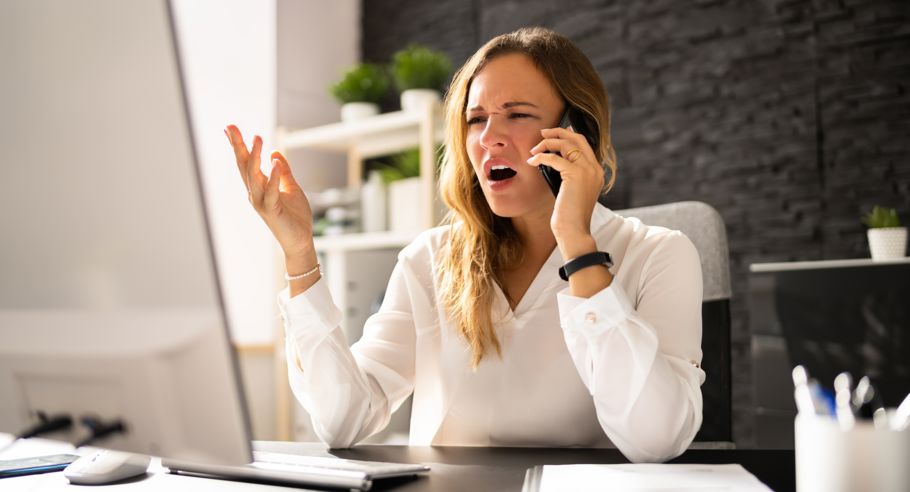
(354, 111)
(888, 243)
(417, 99)
(373, 203)
(405, 205)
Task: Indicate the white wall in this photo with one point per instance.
(259, 64)
(316, 42)
(228, 51)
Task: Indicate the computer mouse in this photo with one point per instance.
(105, 467)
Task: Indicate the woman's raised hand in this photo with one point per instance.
(279, 200)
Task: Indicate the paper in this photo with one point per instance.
(642, 477)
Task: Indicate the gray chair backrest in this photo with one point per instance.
(705, 228)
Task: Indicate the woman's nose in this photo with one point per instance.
(493, 134)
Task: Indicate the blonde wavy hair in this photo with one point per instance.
(481, 244)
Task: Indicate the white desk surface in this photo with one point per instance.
(157, 478)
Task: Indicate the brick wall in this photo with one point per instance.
(790, 117)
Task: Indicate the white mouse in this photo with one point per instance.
(105, 467)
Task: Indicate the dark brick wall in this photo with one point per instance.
(790, 117)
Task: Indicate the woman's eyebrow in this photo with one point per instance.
(506, 105)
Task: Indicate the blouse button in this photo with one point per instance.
(591, 318)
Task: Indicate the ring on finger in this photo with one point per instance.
(572, 155)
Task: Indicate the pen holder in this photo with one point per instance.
(862, 458)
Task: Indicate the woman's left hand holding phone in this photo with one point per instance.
(281, 203)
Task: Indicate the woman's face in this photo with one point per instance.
(509, 102)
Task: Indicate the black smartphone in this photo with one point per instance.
(36, 464)
(579, 123)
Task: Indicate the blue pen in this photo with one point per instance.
(824, 400)
(809, 395)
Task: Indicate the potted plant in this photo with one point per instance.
(887, 239)
(420, 74)
(360, 90)
(403, 180)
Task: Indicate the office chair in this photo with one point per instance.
(705, 227)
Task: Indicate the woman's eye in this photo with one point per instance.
(519, 115)
(474, 120)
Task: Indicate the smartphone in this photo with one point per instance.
(36, 464)
(575, 120)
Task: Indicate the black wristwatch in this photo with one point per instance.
(584, 261)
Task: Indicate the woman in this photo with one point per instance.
(496, 347)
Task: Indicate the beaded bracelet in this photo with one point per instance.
(302, 275)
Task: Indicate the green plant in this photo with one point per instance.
(881, 217)
(404, 165)
(364, 82)
(418, 67)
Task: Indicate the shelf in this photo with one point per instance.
(379, 135)
(811, 265)
(364, 241)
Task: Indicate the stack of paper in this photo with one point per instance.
(641, 477)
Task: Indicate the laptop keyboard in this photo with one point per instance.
(376, 469)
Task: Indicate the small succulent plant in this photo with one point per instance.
(881, 217)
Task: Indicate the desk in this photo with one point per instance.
(453, 468)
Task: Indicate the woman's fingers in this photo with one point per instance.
(555, 161)
(288, 183)
(561, 145)
(235, 138)
(564, 133)
(255, 179)
(271, 194)
(570, 162)
(579, 140)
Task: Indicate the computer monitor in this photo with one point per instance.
(109, 295)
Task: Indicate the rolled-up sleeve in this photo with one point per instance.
(640, 358)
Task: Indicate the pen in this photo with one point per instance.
(842, 397)
(865, 399)
(901, 418)
(804, 402)
(880, 418)
(809, 395)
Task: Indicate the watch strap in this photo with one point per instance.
(585, 261)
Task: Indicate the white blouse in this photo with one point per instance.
(619, 368)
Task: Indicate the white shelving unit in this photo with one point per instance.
(357, 266)
(360, 253)
(380, 135)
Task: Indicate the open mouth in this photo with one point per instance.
(500, 173)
